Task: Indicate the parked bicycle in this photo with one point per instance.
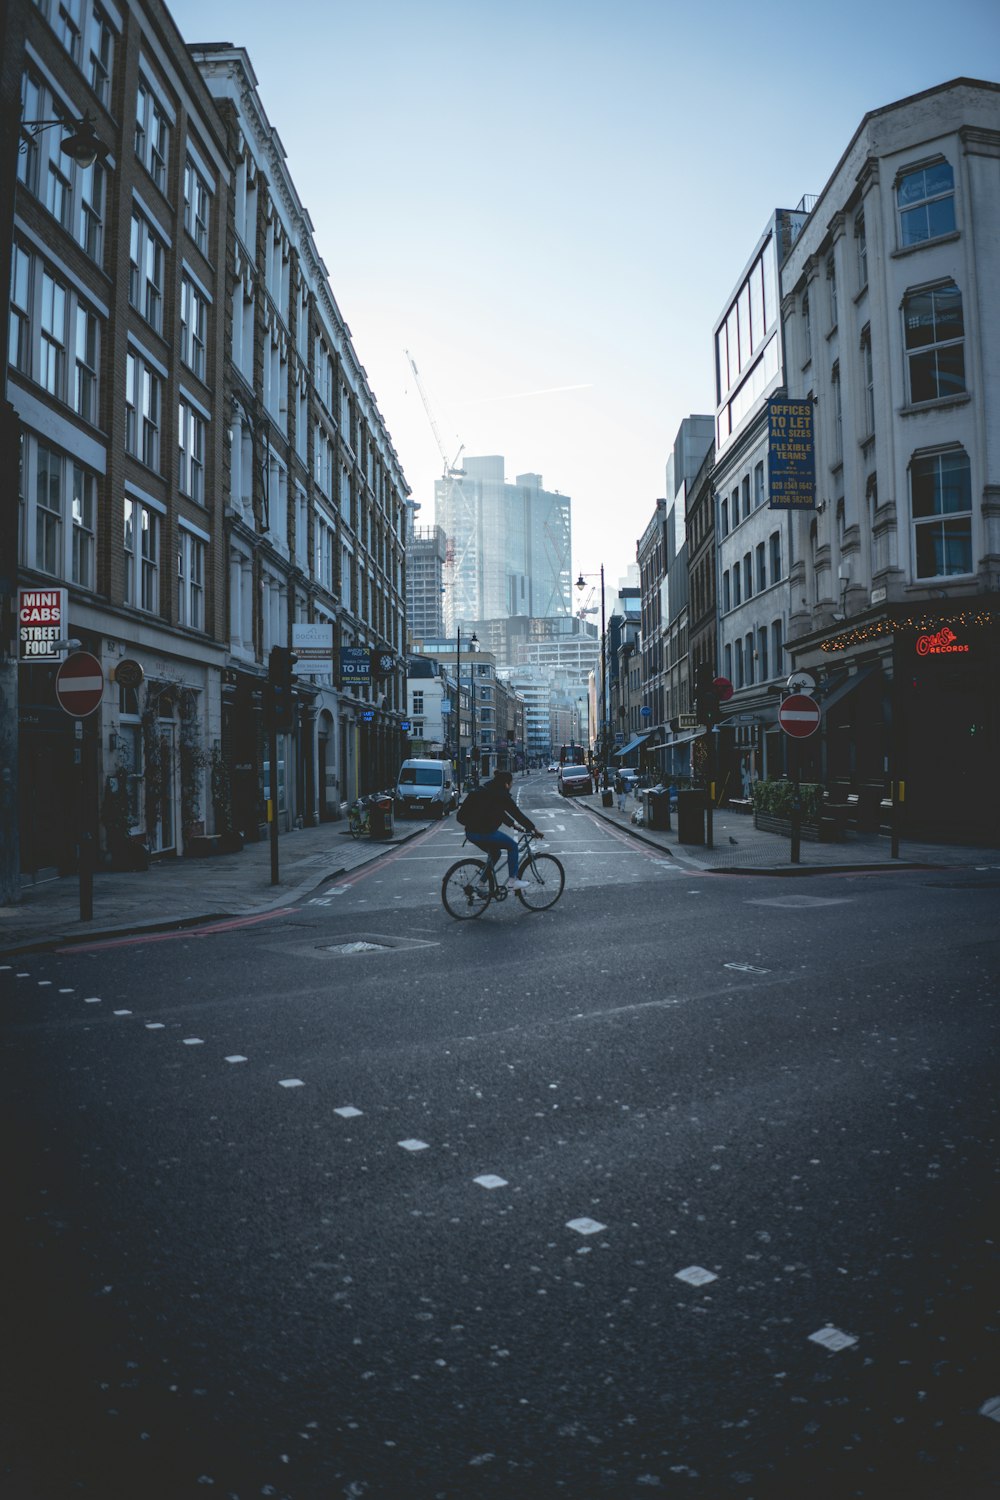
(359, 814)
(471, 884)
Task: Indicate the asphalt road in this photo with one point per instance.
(687, 1186)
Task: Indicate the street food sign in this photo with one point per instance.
(791, 456)
(42, 619)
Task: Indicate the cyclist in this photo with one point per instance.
(490, 806)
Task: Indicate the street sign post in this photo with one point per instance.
(80, 684)
(799, 717)
(79, 689)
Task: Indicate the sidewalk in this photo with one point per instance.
(741, 848)
(182, 892)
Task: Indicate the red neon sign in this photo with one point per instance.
(945, 642)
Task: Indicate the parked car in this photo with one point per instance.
(425, 787)
(553, 766)
(575, 781)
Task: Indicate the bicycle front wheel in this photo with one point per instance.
(356, 826)
(546, 878)
(459, 889)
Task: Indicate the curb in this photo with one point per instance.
(180, 923)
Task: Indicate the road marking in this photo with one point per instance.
(488, 1180)
(154, 1026)
(66, 992)
(93, 1000)
(43, 982)
(193, 1041)
(413, 1145)
(291, 1083)
(696, 1276)
(585, 1226)
(123, 1012)
(832, 1339)
(235, 1057)
(348, 1112)
(746, 969)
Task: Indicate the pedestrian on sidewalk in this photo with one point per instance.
(621, 789)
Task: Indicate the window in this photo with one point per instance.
(191, 581)
(727, 658)
(748, 653)
(941, 499)
(724, 517)
(807, 325)
(84, 509)
(869, 379)
(838, 415)
(142, 556)
(48, 511)
(736, 507)
(777, 635)
(152, 135)
(193, 321)
(746, 496)
(747, 576)
(102, 55)
(775, 556)
(52, 362)
(145, 285)
(762, 649)
(726, 605)
(58, 193)
(758, 485)
(66, 24)
(737, 600)
(85, 376)
(740, 679)
(90, 216)
(197, 203)
(861, 245)
(761, 567)
(925, 200)
(935, 347)
(191, 442)
(142, 410)
(831, 276)
(19, 328)
(418, 703)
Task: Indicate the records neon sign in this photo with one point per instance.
(944, 643)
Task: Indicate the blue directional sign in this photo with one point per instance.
(645, 711)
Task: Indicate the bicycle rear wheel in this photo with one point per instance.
(546, 878)
(459, 890)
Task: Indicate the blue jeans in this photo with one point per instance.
(494, 844)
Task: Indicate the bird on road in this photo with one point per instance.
(732, 840)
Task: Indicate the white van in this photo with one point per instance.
(426, 788)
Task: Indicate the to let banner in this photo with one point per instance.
(313, 646)
(791, 458)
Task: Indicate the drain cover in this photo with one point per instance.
(358, 948)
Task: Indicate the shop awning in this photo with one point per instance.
(675, 744)
(845, 685)
(635, 744)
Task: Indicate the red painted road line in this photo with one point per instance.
(345, 881)
(184, 932)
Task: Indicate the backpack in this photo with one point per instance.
(473, 808)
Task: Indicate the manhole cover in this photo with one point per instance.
(358, 948)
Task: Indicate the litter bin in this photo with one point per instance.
(607, 798)
(691, 817)
(380, 817)
(658, 808)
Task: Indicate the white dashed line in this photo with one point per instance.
(489, 1181)
(291, 1083)
(235, 1058)
(43, 982)
(696, 1276)
(347, 1112)
(585, 1226)
(123, 1012)
(66, 992)
(413, 1145)
(92, 1000)
(154, 1026)
(832, 1339)
(193, 1041)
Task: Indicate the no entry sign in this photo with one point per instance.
(799, 716)
(80, 684)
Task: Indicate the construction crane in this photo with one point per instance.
(458, 514)
(451, 470)
(588, 607)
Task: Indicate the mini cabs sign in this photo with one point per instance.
(42, 620)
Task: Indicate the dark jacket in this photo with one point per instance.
(492, 806)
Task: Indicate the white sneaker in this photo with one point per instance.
(519, 885)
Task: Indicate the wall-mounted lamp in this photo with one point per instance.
(81, 144)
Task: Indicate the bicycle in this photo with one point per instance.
(359, 818)
(463, 898)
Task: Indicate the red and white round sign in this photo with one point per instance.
(80, 684)
(799, 716)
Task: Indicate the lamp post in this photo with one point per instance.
(604, 706)
(473, 643)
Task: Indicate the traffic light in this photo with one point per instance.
(280, 701)
(706, 699)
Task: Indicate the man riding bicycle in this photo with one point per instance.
(490, 806)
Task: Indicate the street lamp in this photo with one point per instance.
(473, 642)
(604, 705)
(81, 144)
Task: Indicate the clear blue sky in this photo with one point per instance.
(535, 195)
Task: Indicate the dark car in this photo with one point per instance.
(574, 781)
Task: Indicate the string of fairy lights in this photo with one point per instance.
(966, 619)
